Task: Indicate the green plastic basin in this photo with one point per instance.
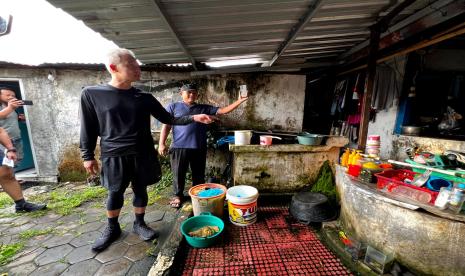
(194, 223)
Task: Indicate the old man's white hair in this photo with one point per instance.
(114, 56)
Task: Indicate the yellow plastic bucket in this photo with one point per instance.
(213, 204)
(242, 204)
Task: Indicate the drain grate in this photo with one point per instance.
(275, 245)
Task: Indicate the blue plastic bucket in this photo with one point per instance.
(436, 183)
(194, 223)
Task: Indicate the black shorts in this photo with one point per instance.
(140, 170)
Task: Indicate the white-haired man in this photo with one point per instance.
(120, 115)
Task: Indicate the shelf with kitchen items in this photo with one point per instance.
(436, 193)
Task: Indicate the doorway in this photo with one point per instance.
(27, 162)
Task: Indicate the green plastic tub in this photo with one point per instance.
(437, 174)
(204, 219)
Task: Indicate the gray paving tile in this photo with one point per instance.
(87, 267)
(93, 217)
(169, 216)
(50, 269)
(53, 254)
(154, 216)
(48, 218)
(88, 227)
(142, 267)
(115, 268)
(138, 252)
(85, 238)
(37, 240)
(132, 239)
(6, 220)
(5, 226)
(95, 211)
(22, 270)
(26, 258)
(115, 251)
(80, 254)
(58, 240)
(69, 219)
(22, 220)
(127, 218)
(19, 229)
(5, 239)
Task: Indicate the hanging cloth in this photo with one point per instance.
(385, 88)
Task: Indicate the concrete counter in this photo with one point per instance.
(426, 243)
(282, 168)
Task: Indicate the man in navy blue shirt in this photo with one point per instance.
(189, 145)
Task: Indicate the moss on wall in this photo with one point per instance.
(70, 167)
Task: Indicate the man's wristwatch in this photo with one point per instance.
(11, 150)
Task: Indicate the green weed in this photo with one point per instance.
(5, 200)
(8, 251)
(34, 233)
(64, 201)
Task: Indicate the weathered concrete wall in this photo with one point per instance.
(282, 168)
(275, 101)
(54, 117)
(384, 127)
(401, 142)
(424, 242)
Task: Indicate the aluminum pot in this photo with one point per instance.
(309, 139)
(411, 130)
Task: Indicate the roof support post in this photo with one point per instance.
(368, 95)
(375, 36)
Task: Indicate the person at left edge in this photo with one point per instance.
(119, 114)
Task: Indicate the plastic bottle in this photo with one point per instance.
(351, 158)
(457, 197)
(345, 158)
(443, 198)
(357, 157)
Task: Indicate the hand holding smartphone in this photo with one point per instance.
(27, 102)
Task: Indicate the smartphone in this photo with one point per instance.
(26, 102)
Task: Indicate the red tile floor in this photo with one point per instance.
(275, 245)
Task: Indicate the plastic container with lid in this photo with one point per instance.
(377, 260)
(457, 197)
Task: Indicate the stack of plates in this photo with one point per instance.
(373, 145)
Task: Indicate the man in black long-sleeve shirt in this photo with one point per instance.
(120, 115)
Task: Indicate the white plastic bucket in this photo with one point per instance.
(242, 137)
(242, 204)
(213, 204)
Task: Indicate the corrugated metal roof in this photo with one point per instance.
(183, 31)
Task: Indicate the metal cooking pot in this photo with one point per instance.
(309, 207)
(411, 130)
(306, 138)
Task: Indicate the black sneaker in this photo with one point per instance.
(145, 233)
(29, 207)
(109, 235)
